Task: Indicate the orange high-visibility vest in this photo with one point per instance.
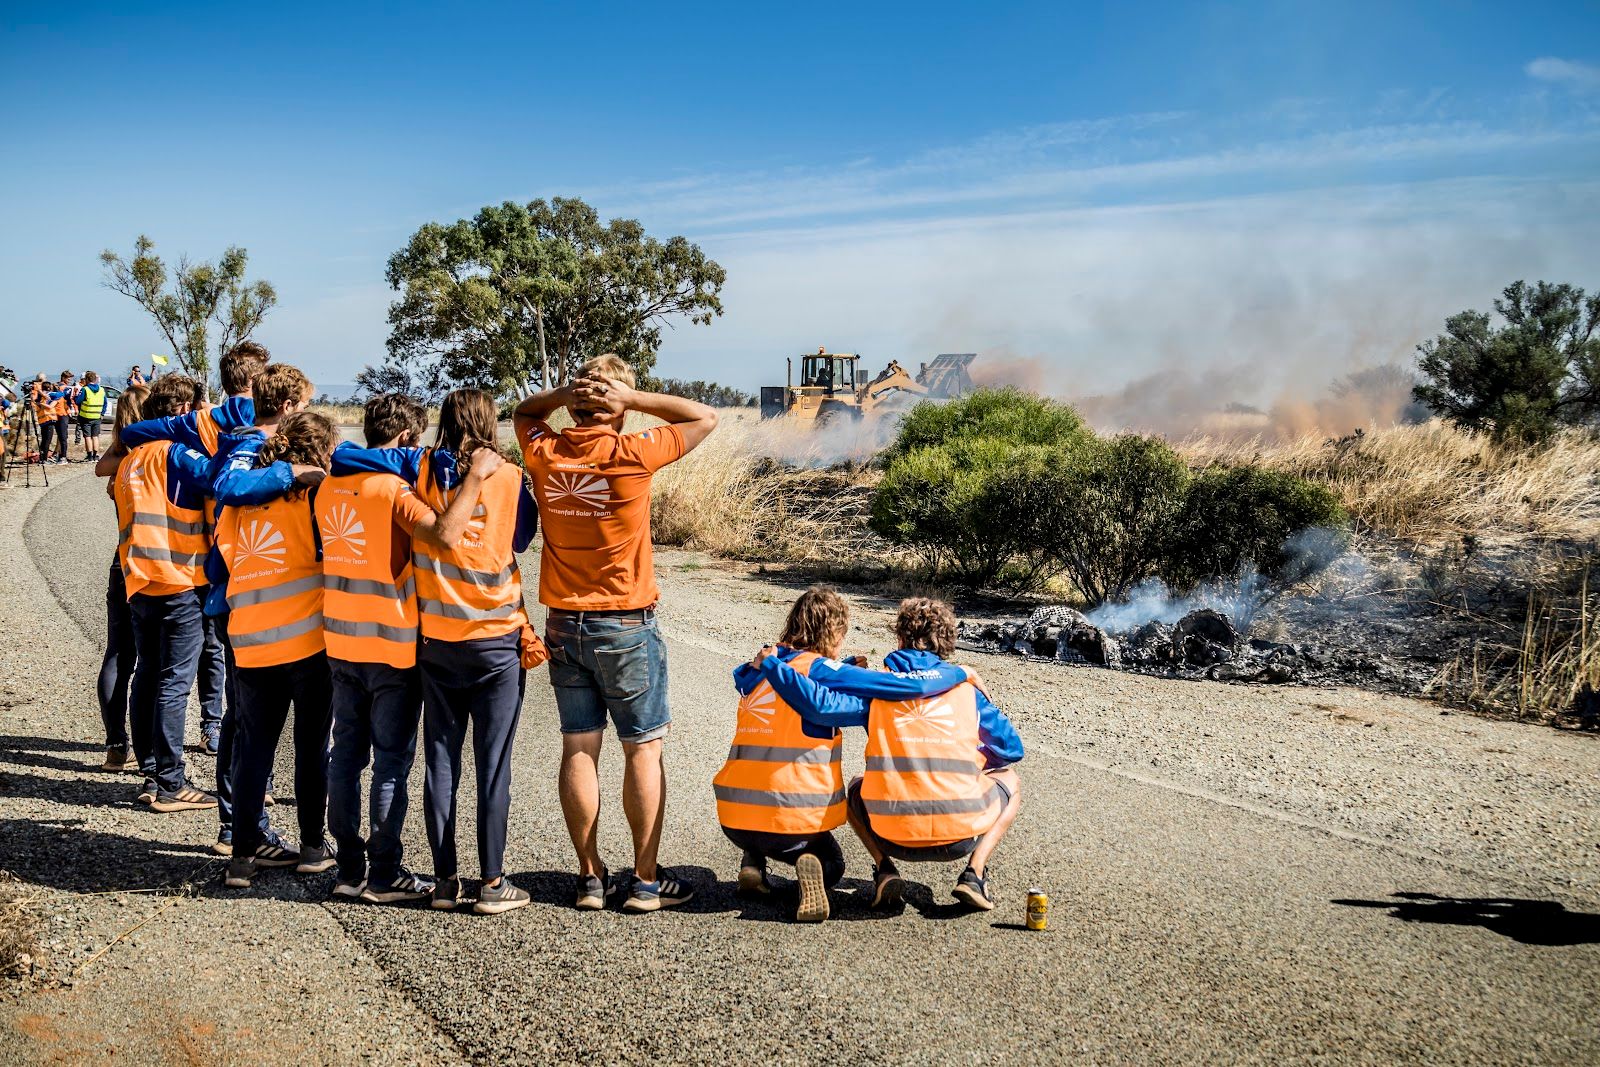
(778, 779)
(472, 589)
(369, 613)
(158, 542)
(925, 784)
(274, 582)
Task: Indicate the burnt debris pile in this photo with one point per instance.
(1205, 643)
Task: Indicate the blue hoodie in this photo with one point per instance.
(836, 705)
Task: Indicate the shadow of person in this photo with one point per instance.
(1529, 922)
(60, 854)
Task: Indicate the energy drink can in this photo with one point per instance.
(1038, 909)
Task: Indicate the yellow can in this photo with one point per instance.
(1038, 909)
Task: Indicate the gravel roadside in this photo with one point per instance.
(1223, 864)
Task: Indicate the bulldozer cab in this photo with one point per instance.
(830, 372)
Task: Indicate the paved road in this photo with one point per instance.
(1185, 928)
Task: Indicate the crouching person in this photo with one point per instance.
(275, 592)
(938, 786)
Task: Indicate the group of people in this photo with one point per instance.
(376, 591)
(65, 409)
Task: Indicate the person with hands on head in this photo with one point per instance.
(597, 577)
(939, 784)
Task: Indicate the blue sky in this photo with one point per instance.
(1258, 196)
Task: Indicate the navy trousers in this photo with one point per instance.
(376, 711)
(227, 737)
(212, 673)
(116, 666)
(265, 694)
(477, 684)
(167, 638)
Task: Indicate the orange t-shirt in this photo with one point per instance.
(593, 488)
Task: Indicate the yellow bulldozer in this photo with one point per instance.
(833, 386)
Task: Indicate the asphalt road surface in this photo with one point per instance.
(1237, 875)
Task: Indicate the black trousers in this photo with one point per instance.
(265, 694)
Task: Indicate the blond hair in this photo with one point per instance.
(817, 622)
(610, 365)
(306, 437)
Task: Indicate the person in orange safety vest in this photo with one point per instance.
(939, 784)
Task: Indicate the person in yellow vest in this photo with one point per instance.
(939, 784)
(781, 791)
(91, 409)
(275, 592)
(162, 544)
(369, 520)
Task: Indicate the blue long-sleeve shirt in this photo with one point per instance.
(847, 678)
(835, 706)
(234, 414)
(406, 463)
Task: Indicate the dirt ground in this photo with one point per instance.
(1238, 874)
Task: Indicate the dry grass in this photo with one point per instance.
(341, 414)
(1431, 483)
(19, 923)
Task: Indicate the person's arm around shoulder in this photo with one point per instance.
(815, 704)
(886, 684)
(997, 738)
(446, 528)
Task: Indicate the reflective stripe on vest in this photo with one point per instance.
(778, 779)
(924, 784)
(369, 613)
(159, 543)
(274, 582)
(94, 402)
(472, 589)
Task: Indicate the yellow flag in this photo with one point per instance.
(158, 360)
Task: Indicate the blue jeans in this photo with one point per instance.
(116, 666)
(167, 636)
(376, 709)
(477, 683)
(609, 662)
(265, 694)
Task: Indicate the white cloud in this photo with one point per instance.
(1569, 73)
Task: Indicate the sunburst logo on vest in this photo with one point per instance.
(261, 540)
(345, 530)
(590, 489)
(939, 716)
(762, 703)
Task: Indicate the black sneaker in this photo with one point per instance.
(665, 892)
(973, 891)
(753, 880)
(887, 888)
(272, 852)
(224, 843)
(240, 871)
(147, 792)
(447, 894)
(402, 887)
(593, 890)
(211, 737)
(349, 890)
(186, 799)
(813, 891)
(316, 860)
(500, 897)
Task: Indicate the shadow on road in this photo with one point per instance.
(63, 855)
(1530, 922)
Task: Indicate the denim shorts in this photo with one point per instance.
(609, 663)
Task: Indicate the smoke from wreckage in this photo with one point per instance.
(1204, 643)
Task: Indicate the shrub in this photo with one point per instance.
(1237, 518)
(1112, 515)
(1002, 414)
(970, 507)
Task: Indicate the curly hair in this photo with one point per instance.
(926, 624)
(817, 622)
(303, 437)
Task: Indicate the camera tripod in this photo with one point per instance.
(24, 448)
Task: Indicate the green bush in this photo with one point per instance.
(1114, 505)
(1236, 518)
(969, 507)
(1003, 414)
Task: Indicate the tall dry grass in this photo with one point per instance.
(1429, 483)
